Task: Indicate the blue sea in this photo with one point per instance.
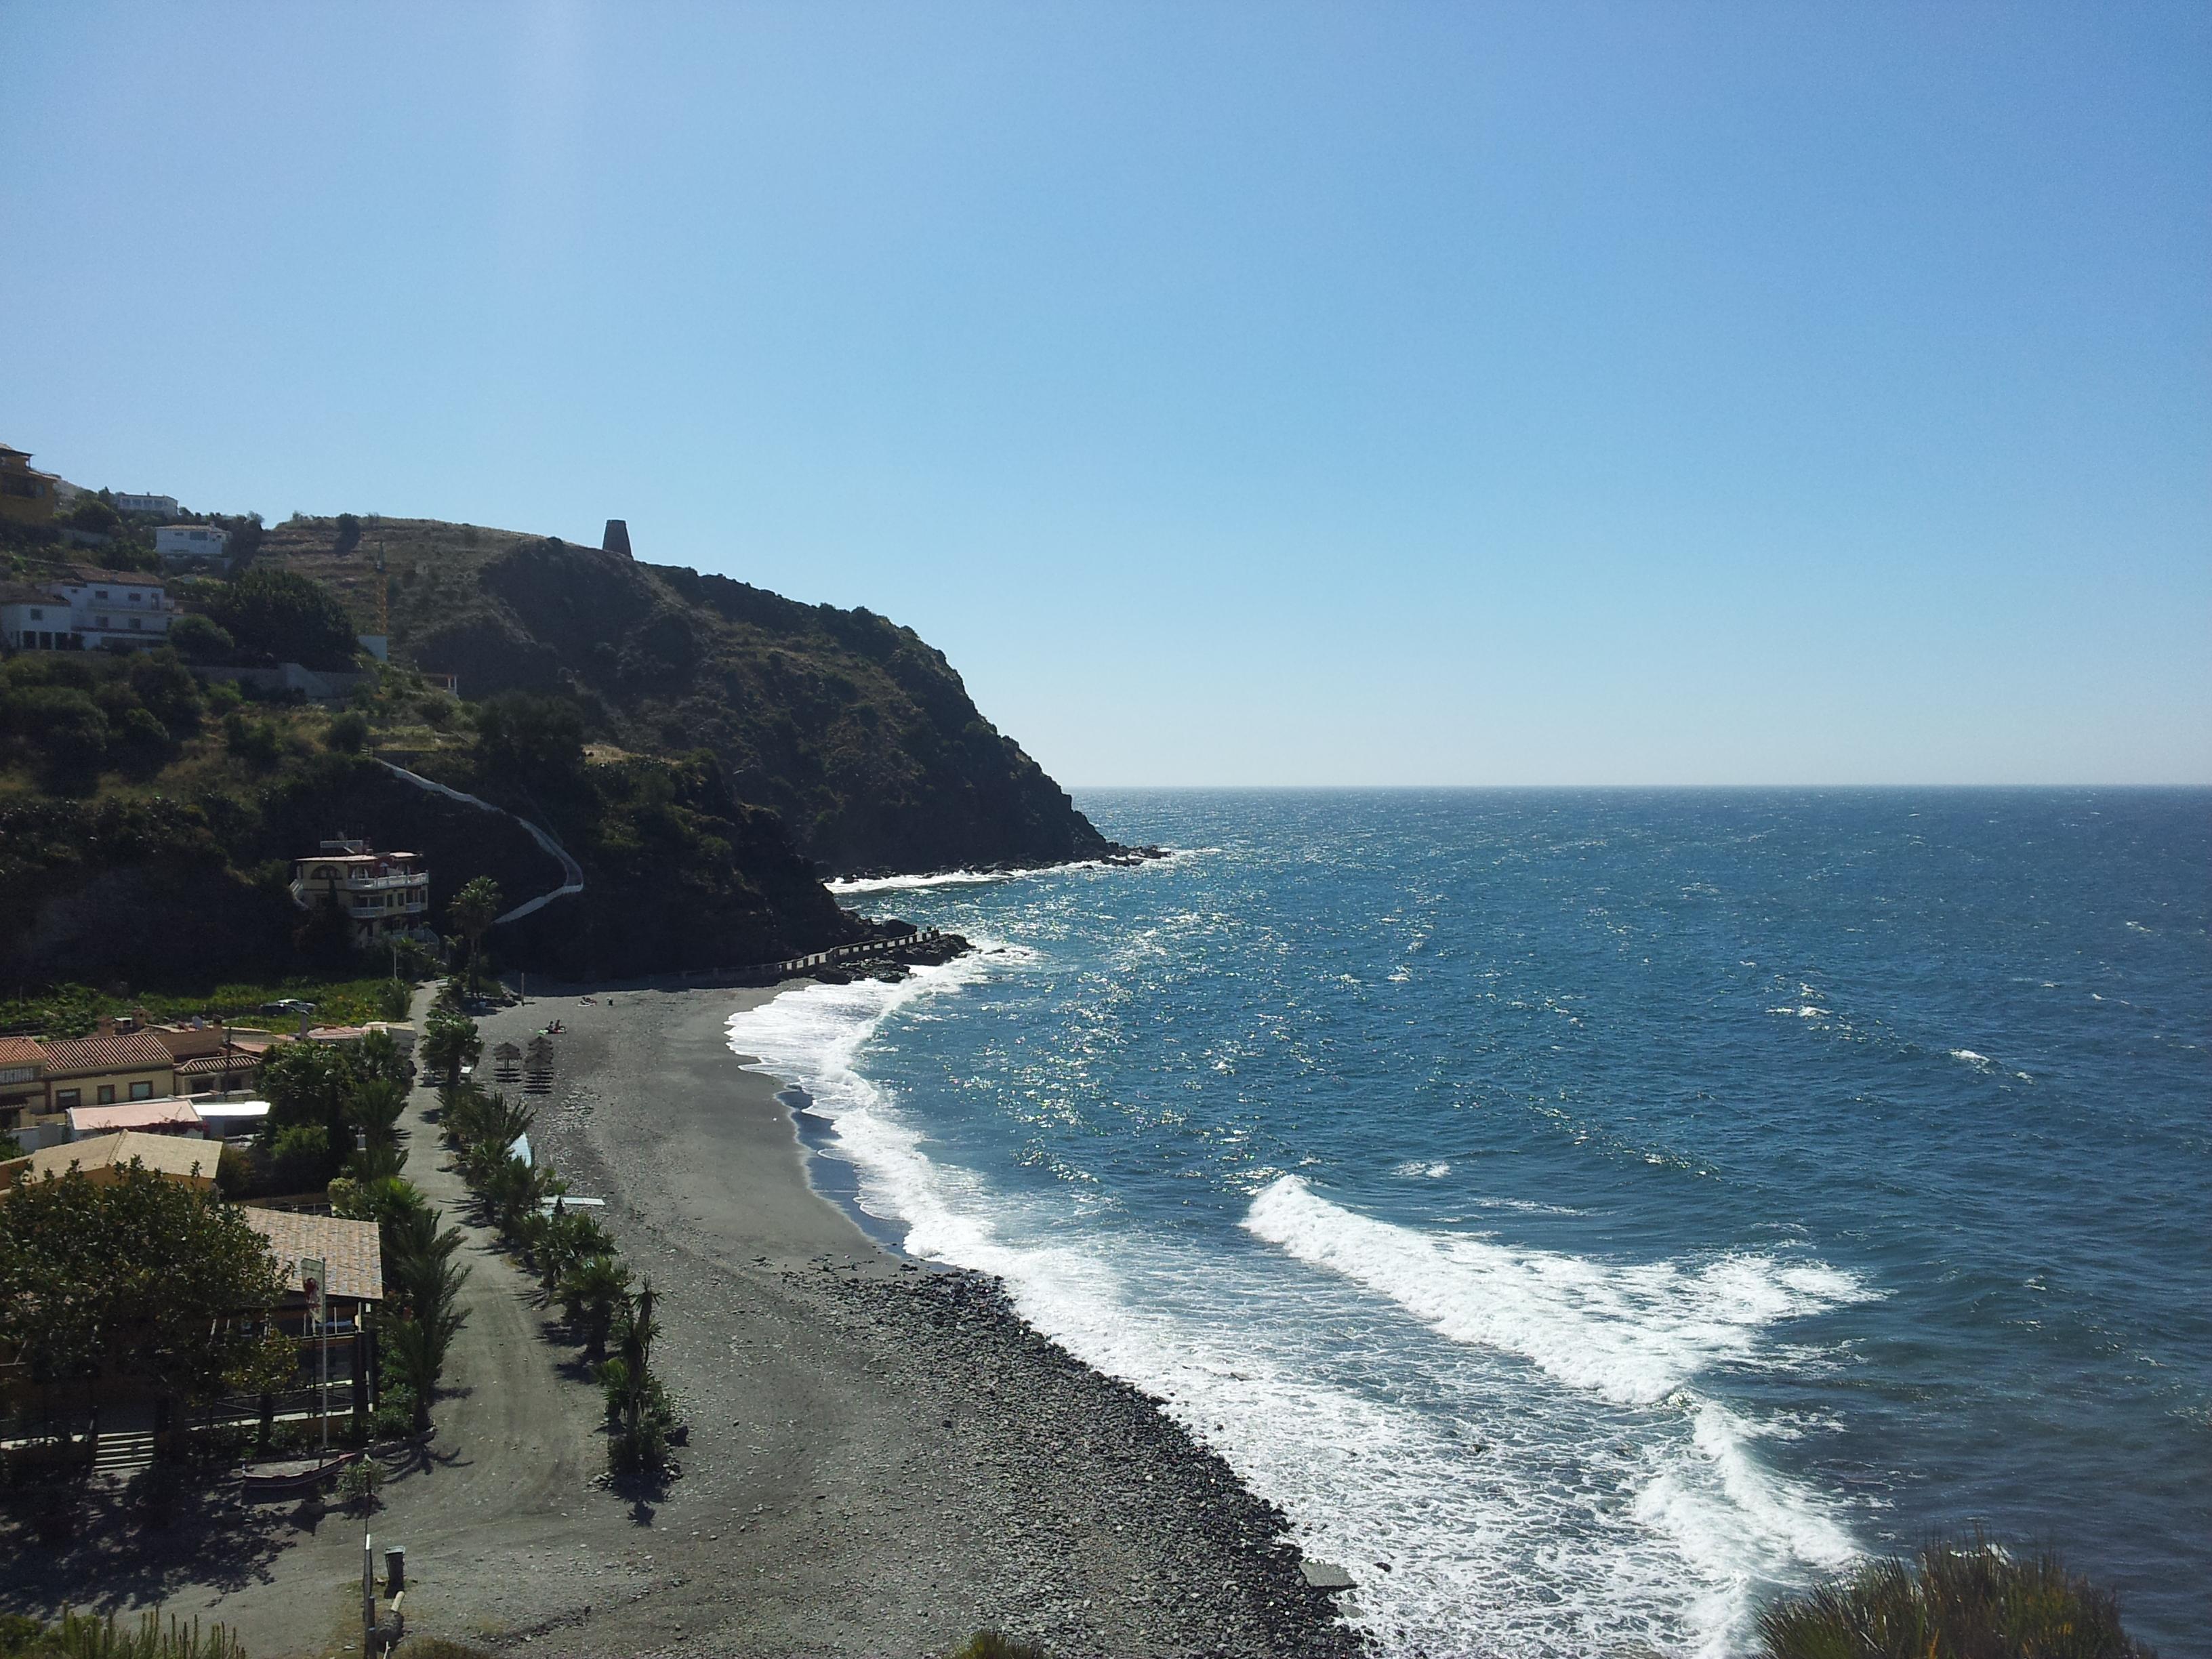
(1588, 1214)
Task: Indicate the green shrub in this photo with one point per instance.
(234, 1173)
(347, 733)
(394, 1417)
(360, 1481)
(80, 1635)
(201, 639)
(302, 1157)
(256, 742)
(1956, 1601)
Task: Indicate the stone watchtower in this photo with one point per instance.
(616, 540)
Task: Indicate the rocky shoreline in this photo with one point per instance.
(1216, 1571)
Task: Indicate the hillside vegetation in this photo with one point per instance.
(857, 733)
(147, 823)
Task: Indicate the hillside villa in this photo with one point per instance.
(77, 608)
(27, 495)
(383, 895)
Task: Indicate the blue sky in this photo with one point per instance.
(1236, 394)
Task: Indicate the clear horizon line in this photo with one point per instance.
(1623, 787)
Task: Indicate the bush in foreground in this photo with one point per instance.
(79, 1636)
(1956, 1601)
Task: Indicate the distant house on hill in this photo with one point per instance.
(31, 619)
(164, 505)
(79, 608)
(27, 495)
(190, 543)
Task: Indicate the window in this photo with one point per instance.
(100, 594)
(107, 1094)
(134, 622)
(38, 615)
(67, 1099)
(141, 1091)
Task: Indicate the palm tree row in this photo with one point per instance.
(574, 1261)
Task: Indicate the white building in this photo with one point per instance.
(86, 610)
(31, 618)
(182, 544)
(164, 505)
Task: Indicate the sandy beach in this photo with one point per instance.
(882, 1458)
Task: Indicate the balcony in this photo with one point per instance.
(384, 883)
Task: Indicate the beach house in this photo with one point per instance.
(383, 896)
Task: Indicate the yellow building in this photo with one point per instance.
(108, 1069)
(26, 496)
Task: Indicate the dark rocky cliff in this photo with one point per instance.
(853, 730)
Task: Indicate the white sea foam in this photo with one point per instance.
(847, 885)
(1572, 1496)
(1632, 1332)
(1423, 1170)
(1979, 1063)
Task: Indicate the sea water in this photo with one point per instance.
(1589, 1215)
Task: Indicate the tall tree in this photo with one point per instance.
(450, 1041)
(310, 1082)
(137, 1277)
(474, 909)
(286, 618)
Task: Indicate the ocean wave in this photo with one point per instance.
(1632, 1334)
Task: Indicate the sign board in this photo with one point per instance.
(313, 1281)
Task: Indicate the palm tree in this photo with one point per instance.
(568, 1238)
(416, 1349)
(416, 1250)
(592, 1292)
(450, 1041)
(376, 1108)
(513, 1191)
(474, 909)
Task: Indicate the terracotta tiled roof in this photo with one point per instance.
(351, 1256)
(21, 1051)
(234, 1060)
(134, 1051)
(85, 573)
(165, 1155)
